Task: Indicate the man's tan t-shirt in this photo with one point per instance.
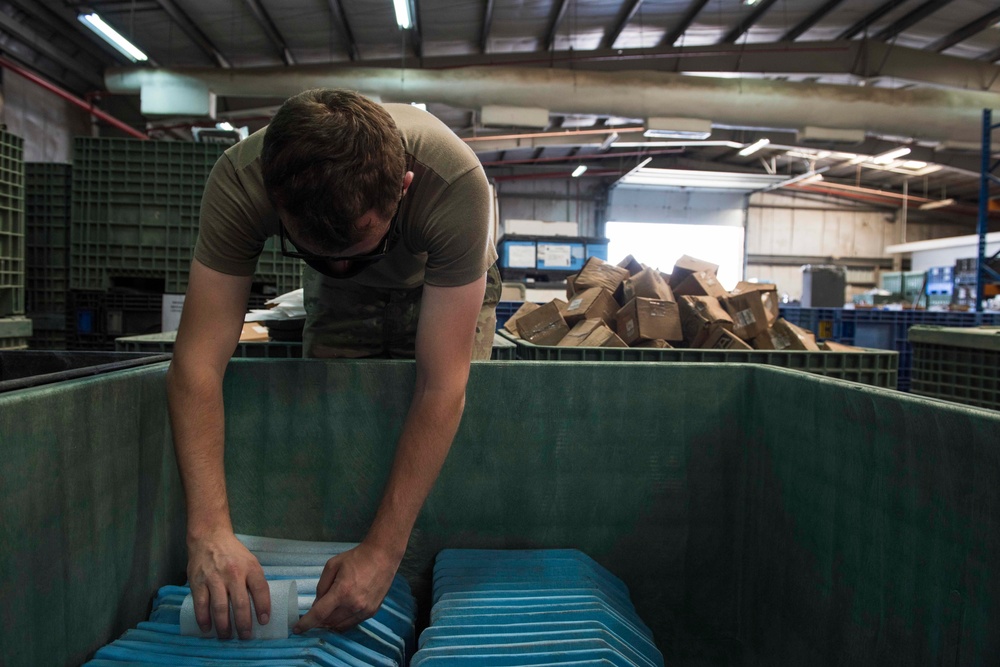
(444, 217)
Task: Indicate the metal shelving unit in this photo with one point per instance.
(987, 178)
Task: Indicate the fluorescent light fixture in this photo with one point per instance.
(754, 147)
(579, 171)
(678, 128)
(419, 105)
(225, 125)
(889, 156)
(913, 164)
(402, 8)
(112, 37)
(610, 140)
(712, 180)
(750, 2)
(931, 205)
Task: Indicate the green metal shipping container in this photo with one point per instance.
(758, 515)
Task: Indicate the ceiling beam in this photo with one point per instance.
(861, 58)
(631, 7)
(912, 18)
(339, 18)
(194, 33)
(747, 22)
(692, 13)
(271, 30)
(484, 35)
(811, 20)
(550, 37)
(864, 23)
(966, 31)
(63, 21)
(43, 46)
(991, 56)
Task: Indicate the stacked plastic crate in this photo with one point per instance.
(47, 203)
(385, 640)
(882, 329)
(531, 608)
(14, 327)
(134, 225)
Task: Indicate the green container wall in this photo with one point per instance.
(758, 515)
(91, 520)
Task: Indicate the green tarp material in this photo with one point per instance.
(759, 516)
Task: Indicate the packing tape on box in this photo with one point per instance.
(284, 614)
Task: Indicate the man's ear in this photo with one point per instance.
(407, 179)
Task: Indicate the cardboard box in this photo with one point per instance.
(570, 286)
(603, 337)
(748, 313)
(808, 338)
(631, 265)
(580, 331)
(511, 324)
(700, 283)
(254, 332)
(543, 326)
(648, 284)
(768, 294)
(659, 343)
(595, 302)
(720, 338)
(687, 266)
(591, 333)
(833, 346)
(598, 273)
(698, 315)
(649, 319)
(785, 336)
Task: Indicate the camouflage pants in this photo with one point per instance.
(344, 319)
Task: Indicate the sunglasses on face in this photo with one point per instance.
(380, 251)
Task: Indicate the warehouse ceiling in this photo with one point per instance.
(834, 86)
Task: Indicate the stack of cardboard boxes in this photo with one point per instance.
(633, 305)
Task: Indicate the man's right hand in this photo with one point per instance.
(220, 570)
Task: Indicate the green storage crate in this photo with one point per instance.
(14, 333)
(46, 221)
(503, 349)
(904, 285)
(956, 364)
(135, 214)
(757, 515)
(11, 225)
(878, 368)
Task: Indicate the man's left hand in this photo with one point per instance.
(351, 589)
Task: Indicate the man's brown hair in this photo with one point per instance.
(329, 156)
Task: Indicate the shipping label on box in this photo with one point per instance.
(595, 302)
(748, 313)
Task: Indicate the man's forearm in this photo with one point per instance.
(427, 435)
(196, 417)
